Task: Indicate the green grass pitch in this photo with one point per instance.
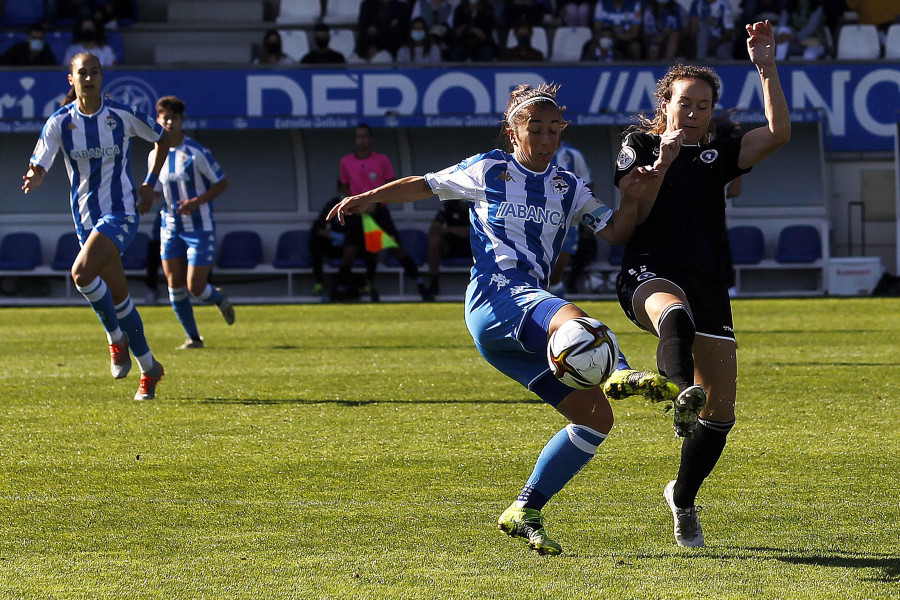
(365, 451)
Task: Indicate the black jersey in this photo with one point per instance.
(686, 228)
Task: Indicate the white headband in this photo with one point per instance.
(531, 100)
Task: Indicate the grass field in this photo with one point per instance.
(338, 451)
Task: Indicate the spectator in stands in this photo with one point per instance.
(753, 11)
(362, 171)
(711, 29)
(385, 20)
(522, 51)
(571, 159)
(663, 24)
(420, 48)
(803, 34)
(88, 36)
(32, 52)
(528, 11)
(270, 51)
(335, 240)
(190, 179)
(623, 18)
(105, 206)
(434, 12)
(107, 13)
(320, 53)
(474, 28)
(575, 13)
(368, 49)
(601, 47)
(448, 237)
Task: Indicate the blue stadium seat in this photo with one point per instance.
(415, 243)
(67, 248)
(22, 13)
(615, 254)
(10, 38)
(114, 39)
(240, 250)
(292, 251)
(799, 244)
(135, 255)
(20, 251)
(59, 42)
(748, 246)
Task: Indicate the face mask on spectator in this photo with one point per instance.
(36, 45)
(417, 35)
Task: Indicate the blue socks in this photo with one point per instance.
(560, 460)
(181, 304)
(101, 301)
(210, 295)
(131, 324)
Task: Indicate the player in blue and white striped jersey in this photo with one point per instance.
(94, 135)
(521, 206)
(189, 180)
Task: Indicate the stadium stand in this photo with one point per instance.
(748, 245)
(67, 249)
(240, 249)
(539, 40)
(343, 41)
(294, 43)
(568, 42)
(21, 13)
(299, 12)
(20, 251)
(799, 244)
(341, 13)
(203, 11)
(292, 251)
(858, 42)
(414, 243)
(135, 256)
(892, 42)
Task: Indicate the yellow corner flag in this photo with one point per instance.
(376, 238)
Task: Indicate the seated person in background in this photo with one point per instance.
(623, 17)
(330, 240)
(107, 13)
(663, 24)
(448, 236)
(711, 29)
(472, 38)
(32, 52)
(320, 53)
(419, 48)
(270, 52)
(387, 21)
(571, 159)
(368, 49)
(88, 36)
(600, 48)
(522, 51)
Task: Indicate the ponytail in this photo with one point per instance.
(69, 97)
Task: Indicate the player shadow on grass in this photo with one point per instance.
(888, 563)
(353, 403)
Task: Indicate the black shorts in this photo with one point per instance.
(707, 296)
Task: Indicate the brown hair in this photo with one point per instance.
(657, 125)
(170, 103)
(522, 93)
(85, 56)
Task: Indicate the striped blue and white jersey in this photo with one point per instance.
(188, 172)
(519, 218)
(96, 149)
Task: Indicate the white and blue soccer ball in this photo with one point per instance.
(582, 353)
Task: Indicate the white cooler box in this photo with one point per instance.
(853, 276)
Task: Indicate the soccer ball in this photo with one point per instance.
(582, 353)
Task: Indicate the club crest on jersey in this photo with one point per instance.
(626, 158)
(110, 122)
(710, 155)
(71, 126)
(559, 185)
(505, 176)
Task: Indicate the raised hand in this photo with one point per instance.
(761, 44)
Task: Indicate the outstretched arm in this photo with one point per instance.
(33, 177)
(408, 189)
(634, 187)
(763, 141)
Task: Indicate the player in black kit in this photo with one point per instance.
(674, 278)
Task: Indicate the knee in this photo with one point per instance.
(675, 320)
(196, 288)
